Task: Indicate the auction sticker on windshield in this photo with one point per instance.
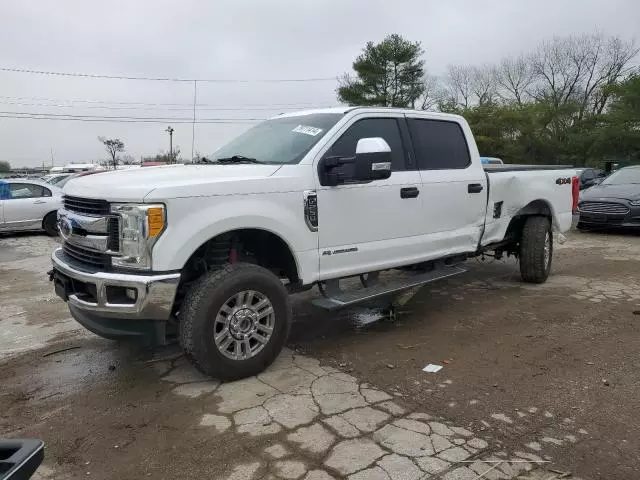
(313, 131)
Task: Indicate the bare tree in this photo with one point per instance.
(113, 146)
(484, 84)
(459, 85)
(576, 68)
(128, 160)
(514, 78)
(432, 95)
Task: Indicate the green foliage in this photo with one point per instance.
(5, 167)
(389, 74)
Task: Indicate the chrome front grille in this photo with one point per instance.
(85, 206)
(91, 233)
(609, 208)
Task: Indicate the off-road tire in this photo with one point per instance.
(50, 224)
(199, 309)
(534, 267)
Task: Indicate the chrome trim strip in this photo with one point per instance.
(156, 292)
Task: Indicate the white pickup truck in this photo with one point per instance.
(210, 252)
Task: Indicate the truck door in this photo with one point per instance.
(454, 189)
(369, 226)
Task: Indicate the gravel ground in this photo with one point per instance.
(535, 378)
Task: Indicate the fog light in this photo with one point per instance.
(131, 293)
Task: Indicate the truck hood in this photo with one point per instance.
(629, 191)
(171, 181)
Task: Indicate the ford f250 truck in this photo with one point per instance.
(210, 252)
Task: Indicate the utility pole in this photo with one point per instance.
(52, 156)
(170, 131)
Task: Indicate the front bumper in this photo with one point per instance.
(96, 292)
(630, 219)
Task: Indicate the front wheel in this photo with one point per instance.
(235, 321)
(536, 250)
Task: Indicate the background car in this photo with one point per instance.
(614, 202)
(64, 181)
(55, 178)
(590, 177)
(491, 161)
(27, 204)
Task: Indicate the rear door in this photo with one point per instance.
(454, 189)
(370, 225)
(27, 205)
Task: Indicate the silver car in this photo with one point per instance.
(27, 204)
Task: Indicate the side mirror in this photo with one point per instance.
(372, 161)
(19, 459)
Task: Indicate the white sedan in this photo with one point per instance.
(27, 204)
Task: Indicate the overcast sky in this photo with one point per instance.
(236, 39)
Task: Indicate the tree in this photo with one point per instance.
(5, 167)
(388, 74)
(432, 94)
(128, 160)
(459, 85)
(113, 146)
(514, 77)
(619, 133)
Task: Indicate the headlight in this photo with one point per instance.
(635, 203)
(140, 227)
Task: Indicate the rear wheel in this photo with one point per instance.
(235, 321)
(50, 224)
(536, 250)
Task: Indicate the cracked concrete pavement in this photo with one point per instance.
(116, 411)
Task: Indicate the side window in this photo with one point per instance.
(589, 174)
(386, 128)
(439, 145)
(26, 190)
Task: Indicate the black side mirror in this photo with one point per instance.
(19, 459)
(372, 161)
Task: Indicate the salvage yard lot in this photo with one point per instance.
(531, 372)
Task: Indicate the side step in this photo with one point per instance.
(345, 299)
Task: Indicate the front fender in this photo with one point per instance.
(193, 221)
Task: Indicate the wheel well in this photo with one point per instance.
(251, 245)
(514, 230)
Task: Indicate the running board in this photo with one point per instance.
(345, 299)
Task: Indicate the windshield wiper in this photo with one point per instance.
(238, 159)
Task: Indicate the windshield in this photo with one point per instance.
(622, 177)
(280, 140)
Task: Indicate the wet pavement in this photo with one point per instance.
(330, 406)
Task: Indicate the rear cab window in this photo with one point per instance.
(439, 144)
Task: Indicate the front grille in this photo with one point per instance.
(86, 205)
(83, 255)
(609, 208)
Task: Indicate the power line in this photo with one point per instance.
(173, 109)
(190, 105)
(165, 79)
(122, 119)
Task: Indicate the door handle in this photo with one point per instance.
(475, 188)
(409, 192)
(38, 202)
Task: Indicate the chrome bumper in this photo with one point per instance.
(154, 299)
